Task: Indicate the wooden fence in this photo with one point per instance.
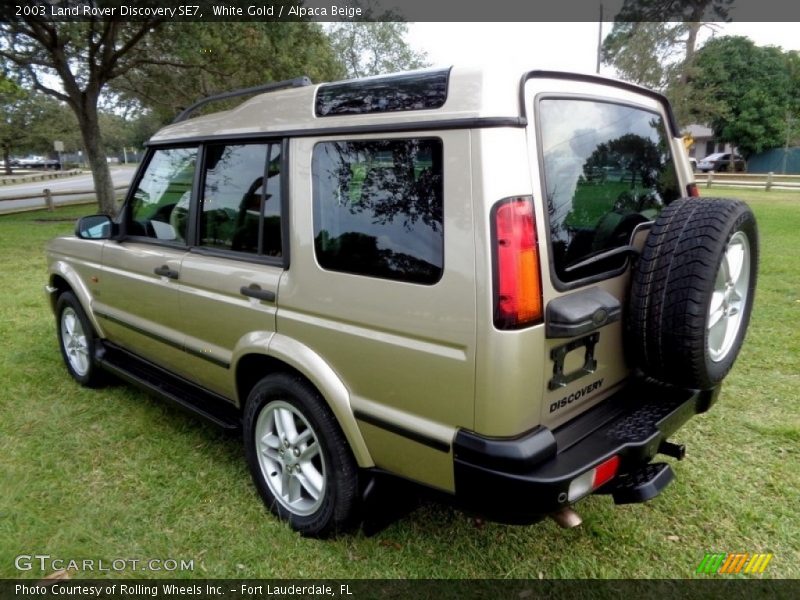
(49, 196)
(37, 176)
(764, 181)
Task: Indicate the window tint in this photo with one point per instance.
(412, 91)
(378, 208)
(234, 197)
(160, 206)
(607, 168)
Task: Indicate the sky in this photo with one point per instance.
(557, 46)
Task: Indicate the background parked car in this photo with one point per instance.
(720, 161)
(38, 162)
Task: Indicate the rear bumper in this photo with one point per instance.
(520, 479)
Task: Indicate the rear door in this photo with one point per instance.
(382, 286)
(229, 278)
(604, 165)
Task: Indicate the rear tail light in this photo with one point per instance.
(692, 190)
(593, 479)
(517, 276)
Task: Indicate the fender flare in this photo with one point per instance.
(66, 272)
(314, 368)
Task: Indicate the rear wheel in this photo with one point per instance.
(300, 460)
(692, 291)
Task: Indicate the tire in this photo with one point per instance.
(76, 339)
(299, 458)
(692, 292)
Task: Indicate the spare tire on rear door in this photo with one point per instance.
(692, 291)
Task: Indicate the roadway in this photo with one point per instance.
(121, 175)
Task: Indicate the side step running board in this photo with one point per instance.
(154, 379)
(640, 485)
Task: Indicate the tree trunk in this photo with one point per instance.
(691, 42)
(7, 158)
(96, 156)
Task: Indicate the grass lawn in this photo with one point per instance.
(114, 473)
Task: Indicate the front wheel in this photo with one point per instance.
(300, 460)
(76, 339)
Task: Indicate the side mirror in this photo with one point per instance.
(94, 227)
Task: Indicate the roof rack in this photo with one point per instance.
(267, 87)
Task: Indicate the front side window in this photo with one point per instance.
(378, 208)
(607, 169)
(160, 207)
(235, 197)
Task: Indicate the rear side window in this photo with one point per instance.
(242, 183)
(378, 208)
(607, 168)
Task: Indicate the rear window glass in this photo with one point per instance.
(378, 208)
(607, 168)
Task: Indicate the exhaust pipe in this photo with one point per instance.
(566, 518)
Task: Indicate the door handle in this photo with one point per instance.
(254, 291)
(165, 271)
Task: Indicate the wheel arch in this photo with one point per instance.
(64, 278)
(286, 355)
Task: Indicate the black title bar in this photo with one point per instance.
(398, 10)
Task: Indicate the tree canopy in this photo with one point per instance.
(749, 92)
(83, 57)
(644, 52)
(31, 121)
(160, 68)
(374, 48)
(203, 59)
(653, 43)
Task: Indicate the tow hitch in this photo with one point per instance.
(677, 451)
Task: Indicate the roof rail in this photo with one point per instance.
(267, 87)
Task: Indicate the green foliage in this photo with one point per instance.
(30, 122)
(120, 131)
(73, 61)
(793, 116)
(82, 56)
(644, 52)
(653, 43)
(686, 11)
(746, 91)
(9, 90)
(374, 48)
(202, 59)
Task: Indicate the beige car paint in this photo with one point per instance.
(216, 316)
